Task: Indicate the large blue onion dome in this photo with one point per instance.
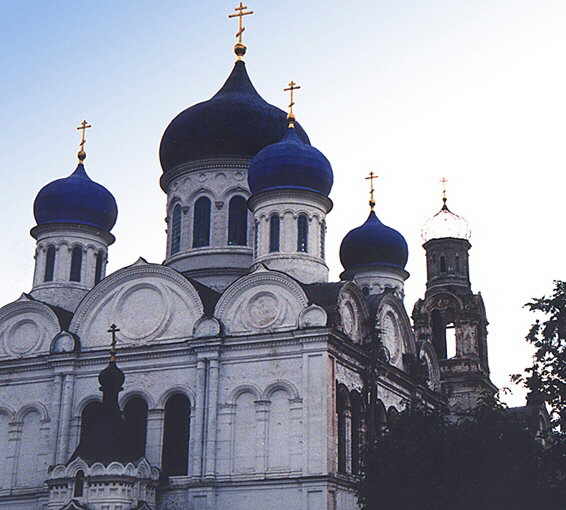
(290, 164)
(236, 122)
(373, 244)
(76, 199)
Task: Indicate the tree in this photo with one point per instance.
(546, 377)
(484, 459)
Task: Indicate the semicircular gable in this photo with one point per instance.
(148, 302)
(263, 301)
(396, 331)
(353, 313)
(27, 328)
(443, 301)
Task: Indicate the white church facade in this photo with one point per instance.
(242, 377)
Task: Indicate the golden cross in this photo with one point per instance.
(291, 89)
(371, 178)
(113, 329)
(82, 128)
(444, 182)
(240, 13)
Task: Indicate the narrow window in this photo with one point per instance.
(176, 436)
(356, 431)
(457, 264)
(98, 267)
(176, 230)
(76, 264)
(201, 223)
(79, 484)
(443, 264)
(135, 415)
(450, 341)
(274, 228)
(323, 239)
(438, 334)
(302, 233)
(238, 222)
(256, 238)
(49, 264)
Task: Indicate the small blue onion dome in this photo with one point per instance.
(373, 244)
(236, 122)
(290, 164)
(76, 199)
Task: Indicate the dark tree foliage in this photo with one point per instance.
(546, 377)
(483, 460)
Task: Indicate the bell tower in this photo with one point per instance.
(451, 316)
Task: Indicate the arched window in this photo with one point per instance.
(79, 484)
(76, 264)
(302, 233)
(342, 422)
(49, 264)
(457, 264)
(443, 264)
(176, 230)
(175, 458)
(98, 267)
(88, 417)
(274, 227)
(238, 222)
(201, 223)
(356, 399)
(438, 334)
(135, 415)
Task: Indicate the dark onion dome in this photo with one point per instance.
(236, 121)
(290, 164)
(107, 439)
(373, 244)
(76, 199)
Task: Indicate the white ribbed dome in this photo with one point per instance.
(445, 224)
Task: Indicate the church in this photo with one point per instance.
(234, 375)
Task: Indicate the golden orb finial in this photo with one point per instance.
(82, 128)
(371, 178)
(291, 89)
(240, 48)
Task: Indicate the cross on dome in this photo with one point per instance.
(82, 128)
(371, 178)
(113, 330)
(240, 47)
(291, 89)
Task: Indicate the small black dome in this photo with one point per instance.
(237, 121)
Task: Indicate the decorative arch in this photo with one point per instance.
(27, 328)
(259, 302)
(8, 411)
(148, 302)
(137, 393)
(34, 407)
(183, 390)
(244, 388)
(281, 384)
(353, 312)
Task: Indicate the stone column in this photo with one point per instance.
(64, 436)
(212, 406)
(40, 258)
(262, 423)
(56, 412)
(197, 435)
(348, 438)
(154, 441)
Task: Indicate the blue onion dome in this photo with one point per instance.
(373, 244)
(236, 122)
(290, 164)
(78, 200)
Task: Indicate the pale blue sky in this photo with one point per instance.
(414, 90)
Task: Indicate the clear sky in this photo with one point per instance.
(414, 90)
